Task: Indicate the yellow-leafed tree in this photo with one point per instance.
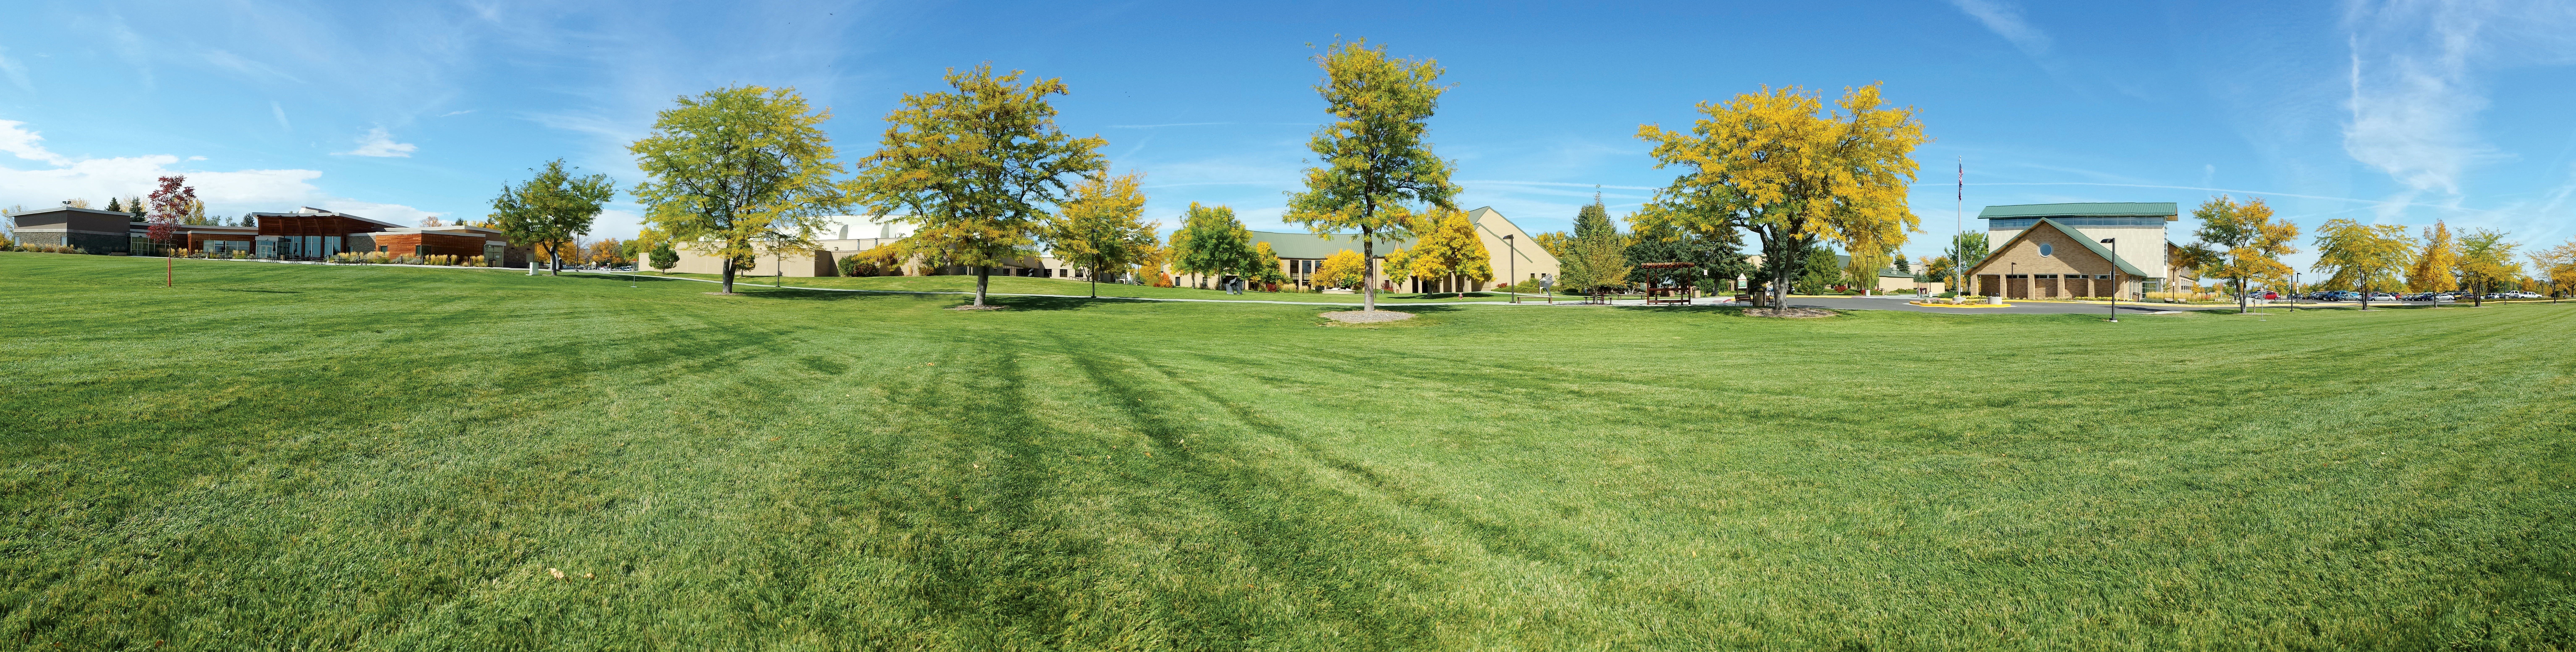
(1451, 250)
(2365, 257)
(2432, 269)
(2486, 260)
(1374, 171)
(1343, 269)
(1779, 164)
(2241, 242)
(2559, 265)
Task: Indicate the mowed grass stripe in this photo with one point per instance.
(392, 458)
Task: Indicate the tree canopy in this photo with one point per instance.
(2432, 268)
(1597, 256)
(977, 169)
(1668, 234)
(1101, 228)
(1376, 170)
(1211, 242)
(737, 170)
(1777, 163)
(2486, 260)
(1343, 269)
(549, 209)
(2240, 241)
(1449, 249)
(2365, 257)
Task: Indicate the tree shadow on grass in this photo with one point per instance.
(1721, 310)
(622, 278)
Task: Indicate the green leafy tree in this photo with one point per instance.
(1450, 250)
(1966, 251)
(1101, 228)
(1666, 233)
(2241, 242)
(2368, 258)
(1597, 256)
(1264, 268)
(1376, 171)
(1937, 269)
(664, 258)
(2486, 260)
(738, 169)
(1211, 243)
(977, 169)
(550, 209)
(1818, 271)
(1778, 164)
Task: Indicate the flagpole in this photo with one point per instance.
(1959, 224)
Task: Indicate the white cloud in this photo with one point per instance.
(378, 142)
(16, 72)
(2414, 86)
(225, 192)
(2006, 21)
(279, 110)
(247, 67)
(21, 142)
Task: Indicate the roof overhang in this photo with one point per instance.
(2164, 209)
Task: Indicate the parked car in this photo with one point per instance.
(2382, 296)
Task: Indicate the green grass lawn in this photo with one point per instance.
(1032, 285)
(306, 457)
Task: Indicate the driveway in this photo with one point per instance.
(1899, 303)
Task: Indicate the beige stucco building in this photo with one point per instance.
(2059, 250)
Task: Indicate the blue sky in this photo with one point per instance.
(2401, 112)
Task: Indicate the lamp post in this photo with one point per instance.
(2011, 270)
(1514, 264)
(2115, 278)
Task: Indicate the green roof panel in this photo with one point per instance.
(2164, 209)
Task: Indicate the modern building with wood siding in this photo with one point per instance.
(2057, 250)
(314, 234)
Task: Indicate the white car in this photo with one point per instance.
(2382, 296)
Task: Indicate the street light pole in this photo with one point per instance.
(1514, 265)
(2115, 278)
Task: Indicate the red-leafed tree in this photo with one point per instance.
(170, 205)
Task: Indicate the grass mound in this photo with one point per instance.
(284, 456)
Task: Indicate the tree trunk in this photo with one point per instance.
(728, 277)
(983, 278)
(1368, 269)
(1095, 282)
(554, 258)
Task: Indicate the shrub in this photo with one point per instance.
(854, 265)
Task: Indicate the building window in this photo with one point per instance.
(2045, 250)
(2104, 277)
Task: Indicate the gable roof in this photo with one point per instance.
(2071, 233)
(2164, 209)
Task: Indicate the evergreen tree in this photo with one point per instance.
(1599, 257)
(1817, 273)
(114, 206)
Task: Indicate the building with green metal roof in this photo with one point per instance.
(2058, 250)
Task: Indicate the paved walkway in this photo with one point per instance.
(1834, 303)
